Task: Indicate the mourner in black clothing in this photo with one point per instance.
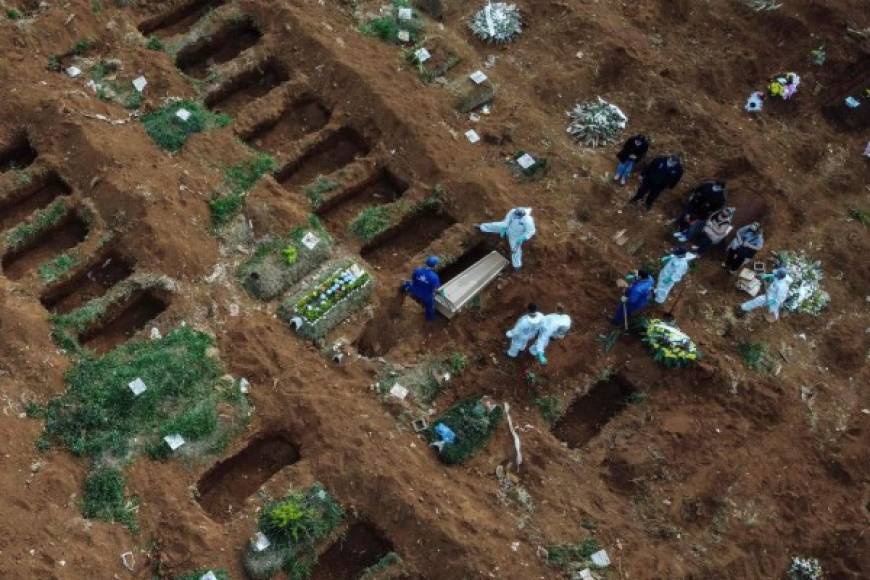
(705, 199)
(662, 173)
(630, 155)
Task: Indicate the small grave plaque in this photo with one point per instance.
(526, 161)
(404, 36)
(260, 542)
(183, 114)
(137, 386)
(244, 385)
(600, 559)
(140, 83)
(478, 77)
(73, 71)
(399, 392)
(472, 136)
(174, 441)
(208, 576)
(310, 240)
(420, 424)
(356, 270)
(586, 574)
(422, 55)
(405, 14)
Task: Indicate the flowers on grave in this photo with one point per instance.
(784, 85)
(805, 569)
(596, 122)
(291, 254)
(497, 23)
(805, 295)
(330, 292)
(669, 345)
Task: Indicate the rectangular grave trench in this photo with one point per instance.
(36, 195)
(179, 20)
(90, 284)
(125, 320)
(223, 46)
(328, 156)
(248, 86)
(589, 414)
(382, 188)
(362, 546)
(18, 154)
(223, 489)
(68, 233)
(302, 117)
(468, 258)
(393, 251)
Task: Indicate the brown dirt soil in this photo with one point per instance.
(715, 472)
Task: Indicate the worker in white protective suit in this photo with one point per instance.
(554, 325)
(773, 298)
(519, 227)
(676, 266)
(524, 330)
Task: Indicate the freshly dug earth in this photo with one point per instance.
(719, 471)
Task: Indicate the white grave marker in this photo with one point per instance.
(405, 14)
(357, 270)
(399, 392)
(137, 386)
(472, 136)
(586, 574)
(208, 576)
(73, 71)
(404, 36)
(526, 161)
(600, 559)
(422, 55)
(310, 240)
(183, 114)
(261, 542)
(174, 441)
(140, 83)
(478, 77)
(244, 385)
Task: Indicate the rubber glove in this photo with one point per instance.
(503, 232)
(624, 299)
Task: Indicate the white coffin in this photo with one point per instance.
(456, 293)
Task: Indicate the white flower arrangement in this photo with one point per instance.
(596, 122)
(497, 23)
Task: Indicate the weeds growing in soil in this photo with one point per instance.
(550, 407)
(389, 559)
(566, 555)
(387, 27)
(103, 498)
(861, 216)
(238, 180)
(755, 355)
(54, 269)
(458, 362)
(23, 234)
(371, 222)
(170, 132)
(320, 186)
(12, 14)
(155, 43)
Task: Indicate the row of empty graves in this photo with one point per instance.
(223, 490)
(53, 240)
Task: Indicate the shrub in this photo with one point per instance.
(155, 43)
(103, 498)
(371, 222)
(564, 555)
(170, 132)
(12, 14)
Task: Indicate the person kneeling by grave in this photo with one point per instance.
(746, 243)
(554, 325)
(424, 285)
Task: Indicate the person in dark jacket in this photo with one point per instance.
(662, 173)
(704, 200)
(630, 155)
(423, 286)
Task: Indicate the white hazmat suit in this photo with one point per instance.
(553, 326)
(517, 228)
(773, 298)
(672, 272)
(523, 331)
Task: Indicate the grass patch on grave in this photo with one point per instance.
(279, 263)
(110, 88)
(388, 27)
(572, 556)
(756, 356)
(426, 380)
(473, 421)
(103, 498)
(13, 14)
(527, 166)
(219, 573)
(26, 233)
(238, 180)
(861, 216)
(154, 43)
(293, 525)
(57, 267)
(550, 407)
(372, 222)
(316, 190)
(170, 132)
(388, 560)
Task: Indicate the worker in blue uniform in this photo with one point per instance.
(424, 285)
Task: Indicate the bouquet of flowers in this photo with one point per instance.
(330, 292)
(497, 23)
(805, 569)
(669, 345)
(596, 122)
(805, 295)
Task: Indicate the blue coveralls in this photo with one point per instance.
(638, 295)
(423, 286)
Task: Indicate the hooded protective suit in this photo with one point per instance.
(773, 298)
(523, 331)
(553, 326)
(517, 228)
(673, 271)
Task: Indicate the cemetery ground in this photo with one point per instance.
(137, 244)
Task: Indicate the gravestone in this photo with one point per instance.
(137, 386)
(471, 92)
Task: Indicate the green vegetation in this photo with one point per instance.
(238, 180)
(755, 356)
(458, 362)
(550, 407)
(389, 559)
(371, 222)
(81, 47)
(387, 27)
(294, 525)
(219, 573)
(12, 14)
(170, 132)
(318, 188)
(53, 63)
(860, 216)
(96, 6)
(54, 269)
(567, 555)
(472, 423)
(103, 498)
(155, 43)
(46, 218)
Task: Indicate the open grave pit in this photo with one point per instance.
(18, 154)
(225, 44)
(347, 559)
(33, 196)
(336, 151)
(180, 20)
(392, 251)
(302, 117)
(123, 321)
(91, 283)
(246, 87)
(589, 414)
(223, 489)
(384, 187)
(66, 234)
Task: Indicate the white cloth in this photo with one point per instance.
(516, 229)
(673, 271)
(523, 331)
(774, 297)
(553, 326)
